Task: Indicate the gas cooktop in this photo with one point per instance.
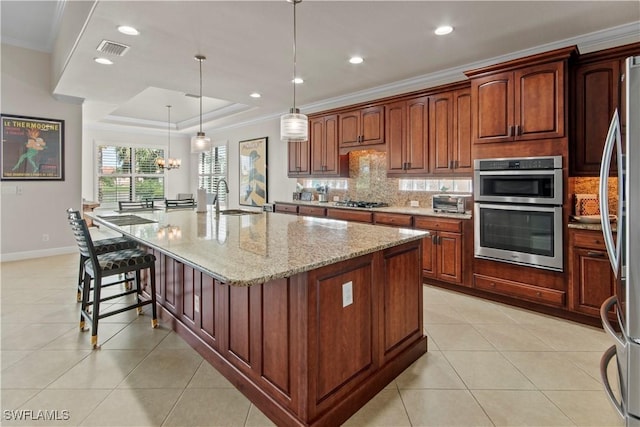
(361, 204)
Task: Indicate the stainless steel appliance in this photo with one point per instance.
(518, 211)
(450, 203)
(624, 252)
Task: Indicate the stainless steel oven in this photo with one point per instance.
(518, 211)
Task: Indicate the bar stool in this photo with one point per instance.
(101, 246)
(98, 267)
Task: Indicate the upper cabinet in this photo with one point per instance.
(299, 159)
(520, 100)
(363, 126)
(596, 93)
(450, 132)
(323, 139)
(407, 136)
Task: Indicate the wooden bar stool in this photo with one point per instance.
(101, 246)
(98, 267)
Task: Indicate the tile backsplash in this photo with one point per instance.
(590, 185)
(368, 181)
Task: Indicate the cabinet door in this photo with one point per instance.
(450, 257)
(395, 131)
(441, 133)
(430, 256)
(539, 101)
(299, 161)
(593, 280)
(462, 131)
(317, 143)
(331, 145)
(350, 128)
(417, 135)
(492, 103)
(596, 98)
(372, 122)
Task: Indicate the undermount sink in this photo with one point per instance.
(238, 212)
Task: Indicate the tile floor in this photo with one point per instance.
(488, 365)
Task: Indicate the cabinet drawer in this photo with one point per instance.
(588, 239)
(350, 215)
(292, 209)
(311, 210)
(519, 290)
(443, 224)
(399, 220)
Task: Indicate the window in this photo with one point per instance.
(212, 166)
(128, 173)
(455, 185)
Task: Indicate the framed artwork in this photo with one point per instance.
(32, 149)
(253, 172)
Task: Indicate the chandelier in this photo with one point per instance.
(294, 127)
(170, 162)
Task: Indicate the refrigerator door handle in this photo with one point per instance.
(613, 140)
(604, 316)
(604, 363)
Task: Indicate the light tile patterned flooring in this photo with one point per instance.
(488, 365)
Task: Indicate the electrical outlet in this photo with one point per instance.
(19, 190)
(45, 237)
(347, 294)
(414, 204)
(336, 198)
(196, 303)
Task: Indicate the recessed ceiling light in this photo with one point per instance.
(255, 95)
(130, 31)
(356, 60)
(298, 80)
(444, 29)
(103, 61)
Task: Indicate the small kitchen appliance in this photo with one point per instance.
(450, 203)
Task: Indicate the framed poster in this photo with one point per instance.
(253, 172)
(32, 149)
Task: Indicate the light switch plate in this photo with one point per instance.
(196, 303)
(347, 294)
(414, 204)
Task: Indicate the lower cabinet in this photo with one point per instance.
(286, 208)
(591, 279)
(442, 257)
(350, 215)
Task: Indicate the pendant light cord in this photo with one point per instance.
(295, 2)
(200, 60)
(168, 131)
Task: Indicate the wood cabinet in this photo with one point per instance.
(363, 126)
(299, 159)
(521, 100)
(397, 220)
(442, 250)
(519, 290)
(312, 210)
(590, 274)
(286, 208)
(450, 132)
(325, 158)
(350, 215)
(596, 93)
(407, 136)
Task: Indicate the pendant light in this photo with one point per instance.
(200, 142)
(294, 127)
(169, 163)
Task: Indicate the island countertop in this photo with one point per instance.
(245, 250)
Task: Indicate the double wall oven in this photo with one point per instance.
(518, 211)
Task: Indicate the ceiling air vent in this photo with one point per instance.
(112, 48)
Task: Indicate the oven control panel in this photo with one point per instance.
(526, 163)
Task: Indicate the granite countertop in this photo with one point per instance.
(595, 227)
(244, 250)
(390, 209)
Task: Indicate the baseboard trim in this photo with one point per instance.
(18, 256)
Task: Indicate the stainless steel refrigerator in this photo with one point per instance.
(623, 145)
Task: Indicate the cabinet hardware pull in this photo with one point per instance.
(539, 294)
(595, 254)
(518, 130)
(450, 164)
(510, 133)
(434, 239)
(492, 284)
(457, 164)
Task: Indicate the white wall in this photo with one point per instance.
(39, 207)
(280, 187)
(176, 181)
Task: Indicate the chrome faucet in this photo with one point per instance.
(217, 199)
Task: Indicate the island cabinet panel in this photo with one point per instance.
(343, 322)
(192, 278)
(402, 291)
(207, 307)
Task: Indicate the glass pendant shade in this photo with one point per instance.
(200, 143)
(294, 127)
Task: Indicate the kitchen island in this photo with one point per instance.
(308, 317)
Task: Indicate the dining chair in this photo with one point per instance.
(98, 267)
